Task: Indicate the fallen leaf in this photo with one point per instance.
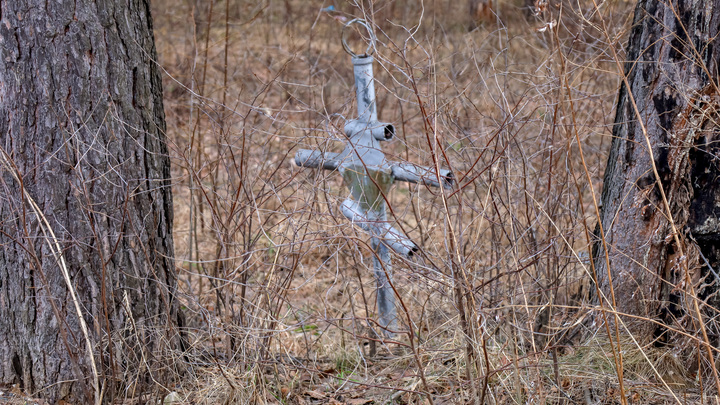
(315, 394)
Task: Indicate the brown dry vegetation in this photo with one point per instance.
(277, 286)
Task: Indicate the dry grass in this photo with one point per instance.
(278, 287)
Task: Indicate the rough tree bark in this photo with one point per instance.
(672, 71)
(85, 172)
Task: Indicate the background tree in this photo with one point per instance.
(86, 207)
(480, 11)
(660, 205)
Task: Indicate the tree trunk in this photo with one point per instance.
(85, 186)
(481, 11)
(673, 79)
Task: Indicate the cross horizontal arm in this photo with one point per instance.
(316, 159)
(419, 174)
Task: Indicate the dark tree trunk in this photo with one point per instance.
(673, 79)
(481, 11)
(85, 173)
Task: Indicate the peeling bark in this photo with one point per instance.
(669, 56)
(82, 122)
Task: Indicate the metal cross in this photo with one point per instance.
(369, 176)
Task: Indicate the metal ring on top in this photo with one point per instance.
(371, 46)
